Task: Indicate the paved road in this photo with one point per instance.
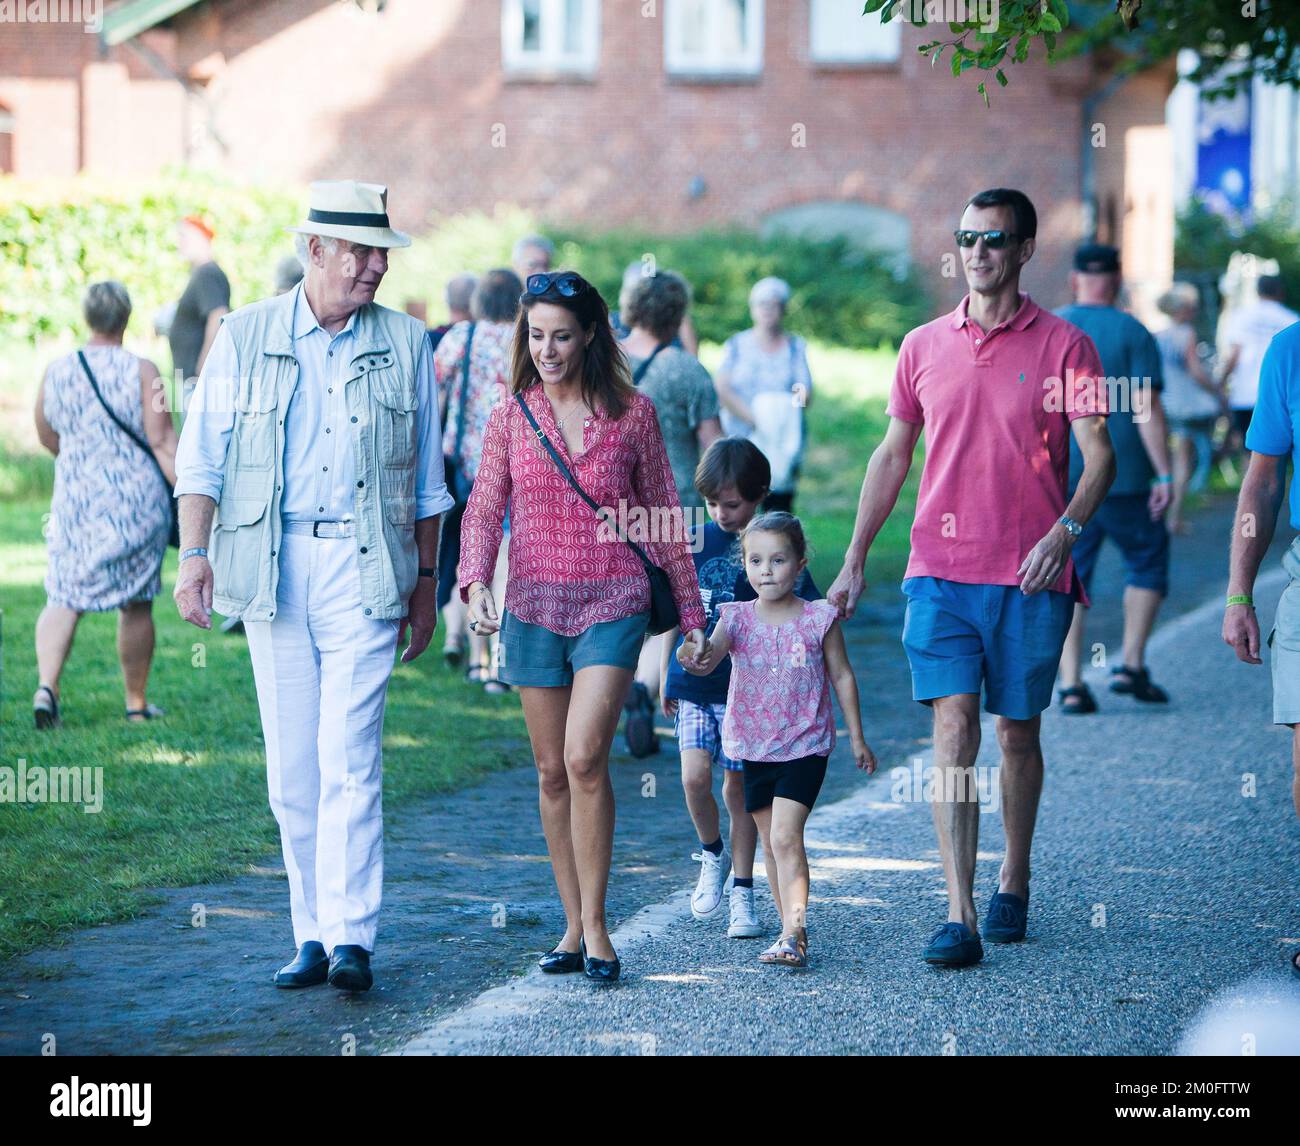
(1157, 883)
(469, 900)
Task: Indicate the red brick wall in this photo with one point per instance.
(306, 89)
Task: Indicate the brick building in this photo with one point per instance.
(662, 114)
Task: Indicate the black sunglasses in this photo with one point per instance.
(566, 283)
(994, 240)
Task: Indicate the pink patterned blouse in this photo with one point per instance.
(779, 700)
(567, 570)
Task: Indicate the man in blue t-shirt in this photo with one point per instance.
(733, 478)
(1132, 515)
(1271, 439)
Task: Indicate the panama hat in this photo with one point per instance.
(346, 209)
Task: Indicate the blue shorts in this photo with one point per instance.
(534, 657)
(699, 726)
(1144, 543)
(961, 637)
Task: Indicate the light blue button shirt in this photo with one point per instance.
(319, 463)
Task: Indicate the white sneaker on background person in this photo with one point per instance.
(714, 870)
(744, 921)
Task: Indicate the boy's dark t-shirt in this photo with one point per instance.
(722, 579)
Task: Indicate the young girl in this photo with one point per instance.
(784, 652)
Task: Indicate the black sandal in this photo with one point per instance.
(1137, 683)
(148, 712)
(1083, 695)
(45, 710)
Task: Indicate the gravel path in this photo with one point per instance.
(1157, 885)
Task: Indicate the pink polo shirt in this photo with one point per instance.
(997, 408)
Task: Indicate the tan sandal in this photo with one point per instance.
(788, 951)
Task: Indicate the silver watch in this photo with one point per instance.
(1072, 527)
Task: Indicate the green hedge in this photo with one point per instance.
(1204, 242)
(57, 236)
(839, 294)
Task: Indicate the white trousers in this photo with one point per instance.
(322, 670)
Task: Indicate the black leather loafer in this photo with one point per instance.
(308, 969)
(559, 962)
(599, 970)
(350, 968)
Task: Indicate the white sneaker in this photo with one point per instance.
(707, 897)
(744, 923)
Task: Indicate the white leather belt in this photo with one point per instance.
(326, 529)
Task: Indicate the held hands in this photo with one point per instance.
(193, 592)
(866, 759)
(1045, 561)
(1241, 631)
(482, 611)
(846, 590)
(694, 653)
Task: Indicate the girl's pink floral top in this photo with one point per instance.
(779, 700)
(568, 570)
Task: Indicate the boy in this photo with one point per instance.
(733, 478)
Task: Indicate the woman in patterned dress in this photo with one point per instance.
(110, 514)
(494, 305)
(577, 598)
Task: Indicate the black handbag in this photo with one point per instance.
(663, 607)
(174, 535)
(458, 483)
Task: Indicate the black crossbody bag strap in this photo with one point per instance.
(582, 493)
(640, 371)
(130, 433)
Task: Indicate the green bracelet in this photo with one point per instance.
(1241, 599)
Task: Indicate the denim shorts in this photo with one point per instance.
(699, 726)
(1125, 519)
(532, 656)
(960, 637)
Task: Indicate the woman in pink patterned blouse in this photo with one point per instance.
(577, 598)
(786, 654)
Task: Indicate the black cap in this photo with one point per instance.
(1096, 259)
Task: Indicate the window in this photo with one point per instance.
(543, 36)
(713, 37)
(841, 34)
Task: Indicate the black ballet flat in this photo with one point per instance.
(599, 970)
(559, 962)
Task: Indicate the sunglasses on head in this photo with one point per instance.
(994, 240)
(565, 283)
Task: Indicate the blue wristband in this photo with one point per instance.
(195, 552)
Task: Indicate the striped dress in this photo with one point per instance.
(109, 517)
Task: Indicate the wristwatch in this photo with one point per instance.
(1072, 527)
(425, 571)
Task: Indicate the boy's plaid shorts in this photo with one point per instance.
(700, 726)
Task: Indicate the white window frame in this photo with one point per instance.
(679, 63)
(886, 39)
(551, 58)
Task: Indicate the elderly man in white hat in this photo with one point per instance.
(313, 435)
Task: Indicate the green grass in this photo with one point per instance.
(185, 798)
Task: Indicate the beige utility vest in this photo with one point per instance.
(381, 405)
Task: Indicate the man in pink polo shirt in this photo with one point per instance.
(998, 386)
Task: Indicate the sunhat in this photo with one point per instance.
(346, 209)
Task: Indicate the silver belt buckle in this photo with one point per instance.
(334, 529)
